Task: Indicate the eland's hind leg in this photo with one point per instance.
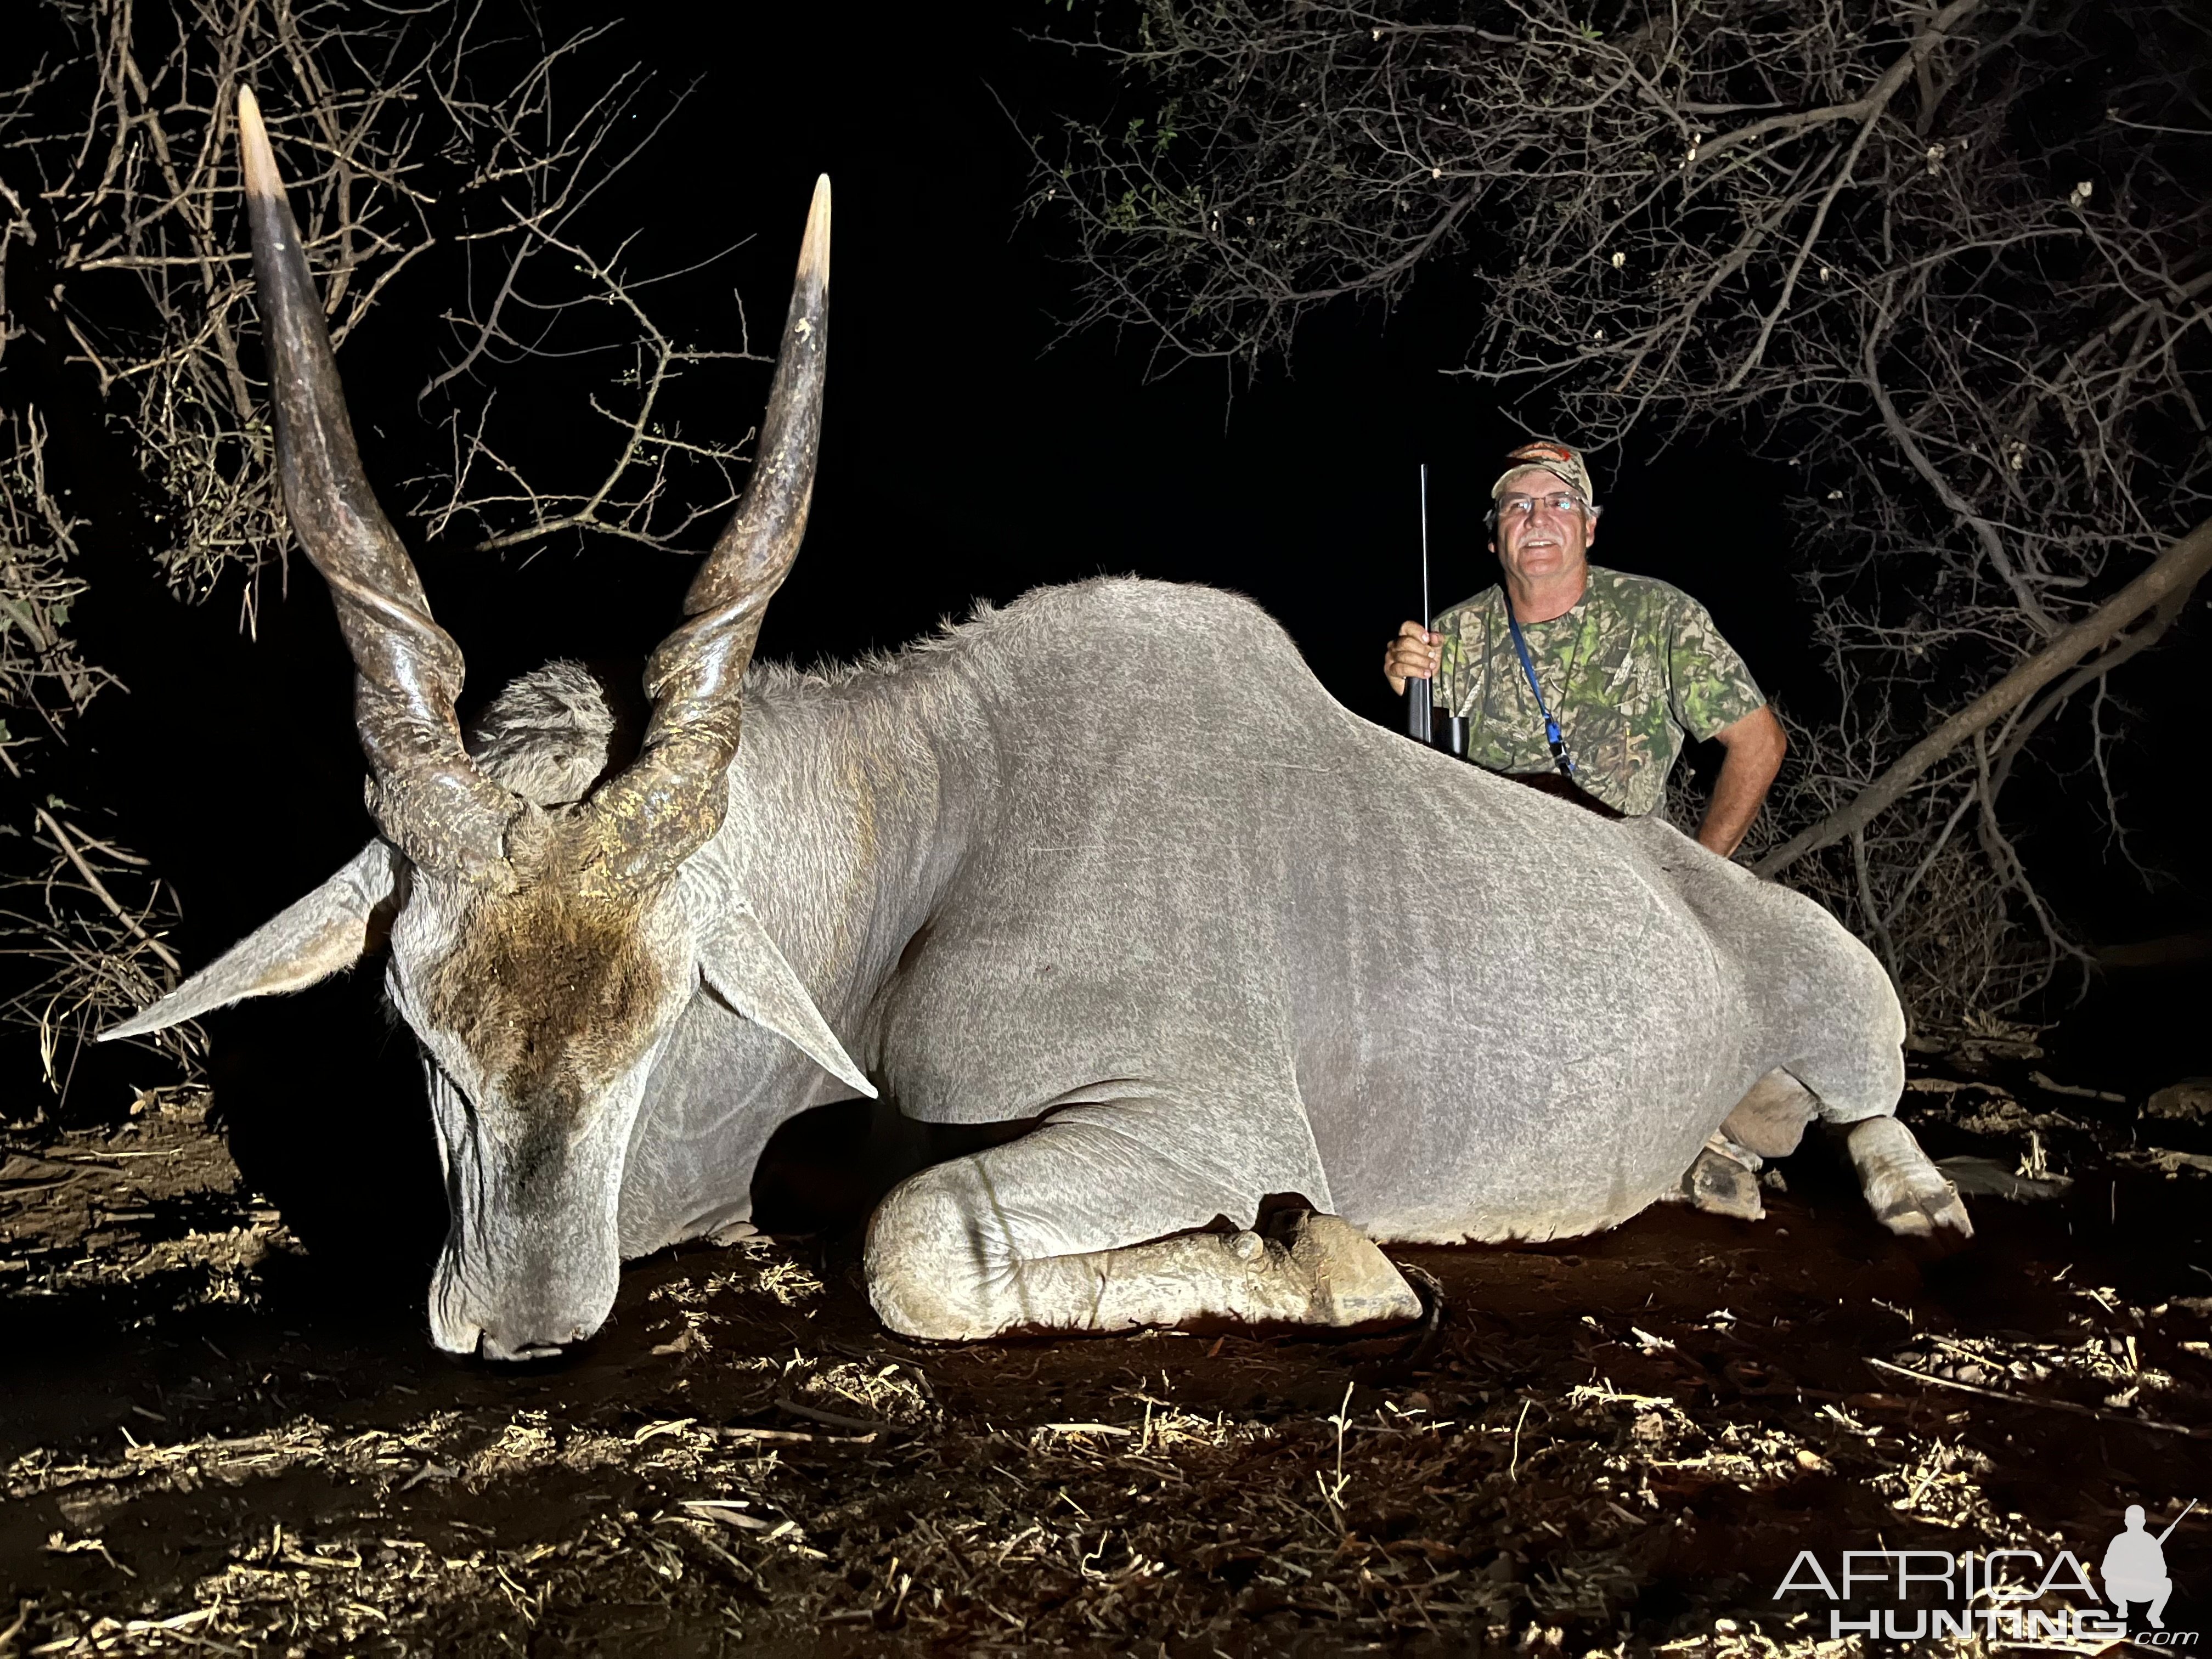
(1080, 1227)
(1767, 1122)
(1907, 1194)
(1770, 1119)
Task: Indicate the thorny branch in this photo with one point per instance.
(414, 140)
(88, 925)
(151, 280)
(41, 671)
(2158, 592)
(633, 498)
(539, 290)
(1947, 262)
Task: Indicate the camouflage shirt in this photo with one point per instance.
(1628, 672)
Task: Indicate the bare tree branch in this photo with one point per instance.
(2163, 588)
(1890, 244)
(417, 137)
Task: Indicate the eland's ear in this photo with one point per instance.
(741, 964)
(331, 929)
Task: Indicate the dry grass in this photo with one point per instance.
(1612, 1452)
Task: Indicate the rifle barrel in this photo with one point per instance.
(1419, 695)
(2176, 1522)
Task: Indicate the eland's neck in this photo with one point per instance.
(851, 807)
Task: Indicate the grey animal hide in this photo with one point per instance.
(1036, 867)
(1113, 857)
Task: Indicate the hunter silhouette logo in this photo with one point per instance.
(2014, 1593)
(2134, 1568)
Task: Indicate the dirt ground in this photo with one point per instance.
(210, 1442)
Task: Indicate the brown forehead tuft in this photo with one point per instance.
(550, 988)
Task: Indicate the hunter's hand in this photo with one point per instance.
(1412, 656)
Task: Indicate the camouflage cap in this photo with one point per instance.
(1564, 464)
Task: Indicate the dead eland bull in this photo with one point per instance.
(1190, 947)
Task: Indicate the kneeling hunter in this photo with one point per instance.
(1572, 672)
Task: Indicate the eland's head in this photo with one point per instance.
(540, 945)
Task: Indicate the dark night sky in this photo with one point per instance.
(961, 458)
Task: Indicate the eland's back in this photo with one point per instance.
(1497, 1014)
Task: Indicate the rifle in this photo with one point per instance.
(1416, 691)
(1449, 734)
(2177, 1520)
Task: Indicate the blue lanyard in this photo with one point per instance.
(1560, 758)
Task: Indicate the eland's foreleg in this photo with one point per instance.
(1074, 1227)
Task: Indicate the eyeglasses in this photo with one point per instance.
(1524, 506)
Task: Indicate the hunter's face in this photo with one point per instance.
(1543, 531)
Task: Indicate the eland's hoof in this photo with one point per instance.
(1718, 1185)
(1353, 1282)
(1906, 1192)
